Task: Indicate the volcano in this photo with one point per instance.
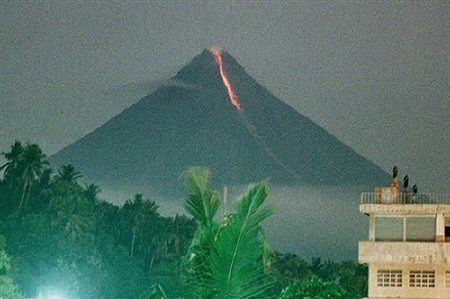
(190, 121)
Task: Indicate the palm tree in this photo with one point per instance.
(91, 191)
(67, 173)
(31, 164)
(11, 177)
(140, 215)
(13, 158)
(226, 260)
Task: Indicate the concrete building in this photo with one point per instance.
(408, 251)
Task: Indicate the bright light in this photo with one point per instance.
(56, 296)
(51, 294)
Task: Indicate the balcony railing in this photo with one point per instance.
(405, 198)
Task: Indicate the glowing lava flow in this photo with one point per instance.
(251, 128)
(233, 97)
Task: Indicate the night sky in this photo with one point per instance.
(374, 74)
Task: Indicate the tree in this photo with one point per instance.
(31, 164)
(13, 158)
(288, 267)
(7, 288)
(314, 288)
(179, 234)
(352, 277)
(91, 191)
(66, 238)
(67, 173)
(139, 217)
(226, 260)
(11, 179)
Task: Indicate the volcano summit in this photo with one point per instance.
(191, 121)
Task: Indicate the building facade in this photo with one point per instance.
(408, 251)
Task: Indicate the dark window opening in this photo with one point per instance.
(447, 233)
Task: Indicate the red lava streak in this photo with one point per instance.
(233, 97)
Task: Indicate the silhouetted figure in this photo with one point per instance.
(406, 189)
(395, 185)
(415, 196)
(405, 182)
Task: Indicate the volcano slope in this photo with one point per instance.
(190, 121)
(315, 178)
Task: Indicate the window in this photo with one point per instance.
(420, 229)
(447, 229)
(447, 233)
(424, 279)
(447, 279)
(389, 278)
(412, 229)
(389, 229)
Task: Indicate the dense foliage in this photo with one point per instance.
(287, 268)
(7, 287)
(314, 289)
(61, 238)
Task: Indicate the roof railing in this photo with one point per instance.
(405, 198)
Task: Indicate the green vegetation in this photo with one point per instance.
(7, 287)
(314, 288)
(226, 260)
(61, 238)
(288, 268)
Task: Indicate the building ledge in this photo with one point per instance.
(404, 252)
(404, 209)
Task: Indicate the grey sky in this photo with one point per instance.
(375, 74)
